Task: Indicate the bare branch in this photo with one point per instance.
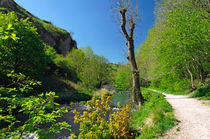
(123, 24)
(129, 17)
(132, 27)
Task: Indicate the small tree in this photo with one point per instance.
(21, 47)
(128, 14)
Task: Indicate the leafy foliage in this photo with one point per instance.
(21, 48)
(96, 70)
(175, 53)
(36, 110)
(89, 69)
(203, 91)
(50, 53)
(123, 78)
(94, 122)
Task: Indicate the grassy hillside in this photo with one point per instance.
(23, 13)
(50, 34)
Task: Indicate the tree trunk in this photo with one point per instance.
(191, 77)
(137, 97)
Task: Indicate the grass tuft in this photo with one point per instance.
(186, 92)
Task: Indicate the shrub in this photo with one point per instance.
(65, 68)
(202, 92)
(50, 52)
(21, 116)
(155, 83)
(172, 83)
(21, 48)
(94, 122)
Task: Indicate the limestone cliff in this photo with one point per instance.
(57, 38)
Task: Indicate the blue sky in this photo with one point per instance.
(93, 23)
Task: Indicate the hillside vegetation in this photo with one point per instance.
(58, 38)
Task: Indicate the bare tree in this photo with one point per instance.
(128, 13)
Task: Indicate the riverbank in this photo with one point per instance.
(116, 96)
(155, 117)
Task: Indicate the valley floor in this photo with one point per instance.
(194, 117)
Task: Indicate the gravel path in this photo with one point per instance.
(194, 117)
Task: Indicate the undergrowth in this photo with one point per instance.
(202, 93)
(154, 117)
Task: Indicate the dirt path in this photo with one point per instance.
(194, 117)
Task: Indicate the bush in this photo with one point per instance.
(155, 83)
(51, 53)
(202, 92)
(181, 85)
(65, 68)
(94, 122)
(171, 83)
(21, 48)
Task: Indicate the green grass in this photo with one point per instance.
(47, 25)
(172, 92)
(154, 117)
(176, 93)
(50, 27)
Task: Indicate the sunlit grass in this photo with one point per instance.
(154, 117)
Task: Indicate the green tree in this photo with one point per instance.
(21, 48)
(184, 45)
(88, 52)
(96, 70)
(91, 70)
(77, 59)
(146, 56)
(123, 77)
(176, 49)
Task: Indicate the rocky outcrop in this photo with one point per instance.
(53, 36)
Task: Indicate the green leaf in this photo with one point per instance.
(9, 26)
